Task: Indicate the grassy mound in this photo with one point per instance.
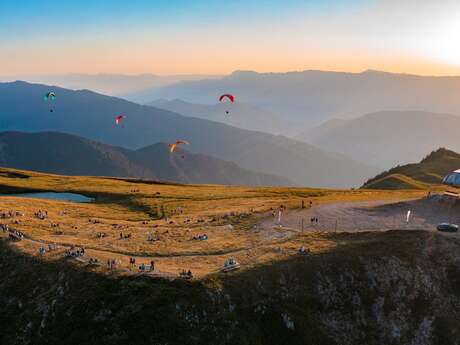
(396, 181)
(430, 171)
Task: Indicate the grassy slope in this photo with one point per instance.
(115, 203)
(171, 194)
(290, 300)
(423, 175)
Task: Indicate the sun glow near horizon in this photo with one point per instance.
(202, 37)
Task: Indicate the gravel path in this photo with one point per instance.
(364, 216)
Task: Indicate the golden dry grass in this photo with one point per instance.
(154, 208)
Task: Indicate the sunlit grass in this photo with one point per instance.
(174, 212)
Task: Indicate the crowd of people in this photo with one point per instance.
(153, 237)
(230, 263)
(124, 236)
(41, 251)
(112, 264)
(203, 237)
(143, 267)
(186, 274)
(10, 214)
(15, 235)
(52, 246)
(132, 262)
(41, 214)
(75, 252)
(93, 261)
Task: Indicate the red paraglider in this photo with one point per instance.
(118, 119)
(228, 96)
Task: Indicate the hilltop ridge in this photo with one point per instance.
(430, 170)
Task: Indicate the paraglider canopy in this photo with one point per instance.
(49, 96)
(118, 119)
(228, 96)
(173, 146)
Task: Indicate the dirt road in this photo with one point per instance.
(365, 216)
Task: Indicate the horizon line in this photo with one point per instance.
(236, 71)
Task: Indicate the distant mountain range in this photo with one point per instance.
(388, 138)
(110, 84)
(92, 116)
(431, 170)
(313, 97)
(71, 155)
(240, 115)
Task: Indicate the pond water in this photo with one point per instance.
(53, 196)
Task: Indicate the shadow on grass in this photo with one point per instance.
(57, 302)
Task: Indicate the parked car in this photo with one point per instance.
(447, 227)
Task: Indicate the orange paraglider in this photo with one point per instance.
(173, 146)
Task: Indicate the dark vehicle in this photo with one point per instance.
(447, 227)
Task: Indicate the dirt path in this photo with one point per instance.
(363, 216)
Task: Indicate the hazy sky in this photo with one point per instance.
(199, 36)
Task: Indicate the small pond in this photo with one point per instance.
(53, 196)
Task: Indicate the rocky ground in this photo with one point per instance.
(393, 287)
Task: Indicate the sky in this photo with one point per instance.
(218, 37)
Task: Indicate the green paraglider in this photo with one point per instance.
(50, 96)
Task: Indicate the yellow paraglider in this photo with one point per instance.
(173, 146)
